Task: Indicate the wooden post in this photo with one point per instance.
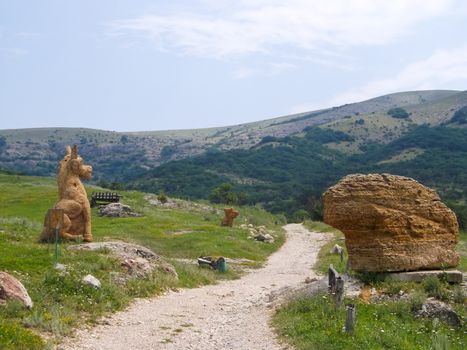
(342, 255)
(332, 275)
(339, 292)
(350, 318)
(347, 267)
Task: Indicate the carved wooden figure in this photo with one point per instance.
(72, 198)
(230, 215)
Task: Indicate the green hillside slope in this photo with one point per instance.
(118, 156)
(61, 302)
(289, 174)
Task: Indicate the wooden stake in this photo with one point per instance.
(351, 318)
(339, 292)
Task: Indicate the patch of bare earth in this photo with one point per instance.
(229, 315)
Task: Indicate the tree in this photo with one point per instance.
(124, 139)
(398, 112)
(223, 194)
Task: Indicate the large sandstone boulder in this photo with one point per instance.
(392, 223)
(11, 288)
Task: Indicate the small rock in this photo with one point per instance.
(11, 288)
(310, 280)
(92, 281)
(437, 309)
(267, 238)
(337, 249)
(59, 267)
(117, 210)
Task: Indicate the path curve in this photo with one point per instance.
(230, 315)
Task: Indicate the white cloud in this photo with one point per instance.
(444, 69)
(267, 70)
(13, 51)
(258, 26)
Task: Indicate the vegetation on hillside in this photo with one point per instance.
(290, 174)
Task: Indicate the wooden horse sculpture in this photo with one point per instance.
(72, 198)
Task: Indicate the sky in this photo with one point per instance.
(136, 65)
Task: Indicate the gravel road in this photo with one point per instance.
(229, 315)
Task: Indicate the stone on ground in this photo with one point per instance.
(392, 223)
(117, 210)
(433, 308)
(92, 281)
(138, 261)
(451, 276)
(11, 288)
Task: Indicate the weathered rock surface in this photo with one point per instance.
(91, 281)
(337, 249)
(117, 210)
(11, 288)
(392, 223)
(138, 261)
(451, 276)
(437, 309)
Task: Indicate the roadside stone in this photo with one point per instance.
(392, 223)
(114, 210)
(60, 267)
(267, 238)
(11, 288)
(92, 281)
(433, 308)
(451, 276)
(138, 261)
(337, 249)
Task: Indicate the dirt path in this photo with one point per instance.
(230, 315)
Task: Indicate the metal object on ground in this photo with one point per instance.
(104, 197)
(218, 264)
(55, 220)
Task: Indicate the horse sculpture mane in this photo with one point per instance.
(72, 198)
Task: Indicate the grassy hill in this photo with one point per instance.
(61, 302)
(283, 163)
(118, 156)
(289, 174)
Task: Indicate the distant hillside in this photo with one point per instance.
(283, 163)
(118, 156)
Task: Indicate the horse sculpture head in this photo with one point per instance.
(73, 164)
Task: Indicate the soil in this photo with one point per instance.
(230, 315)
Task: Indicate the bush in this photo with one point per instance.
(416, 300)
(225, 194)
(162, 198)
(460, 116)
(398, 113)
(435, 288)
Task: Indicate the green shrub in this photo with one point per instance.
(435, 288)
(458, 295)
(416, 300)
(162, 198)
(398, 112)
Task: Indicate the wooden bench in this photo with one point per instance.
(104, 197)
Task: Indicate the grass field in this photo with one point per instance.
(61, 302)
(314, 322)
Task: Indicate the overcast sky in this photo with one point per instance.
(155, 65)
